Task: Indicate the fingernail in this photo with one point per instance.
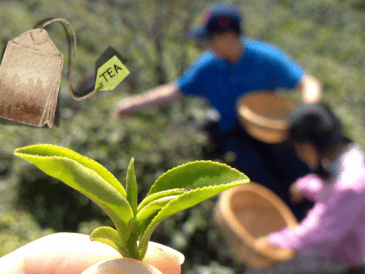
(121, 266)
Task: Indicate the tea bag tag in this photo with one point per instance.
(111, 74)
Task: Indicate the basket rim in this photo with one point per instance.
(247, 114)
(240, 230)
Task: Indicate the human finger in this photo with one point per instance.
(295, 196)
(66, 253)
(264, 244)
(115, 114)
(117, 266)
(119, 111)
(57, 253)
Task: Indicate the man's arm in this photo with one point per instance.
(159, 96)
(310, 88)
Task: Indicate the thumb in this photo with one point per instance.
(57, 253)
(69, 253)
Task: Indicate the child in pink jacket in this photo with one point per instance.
(335, 227)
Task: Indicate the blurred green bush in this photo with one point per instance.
(18, 228)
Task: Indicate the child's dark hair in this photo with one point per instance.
(316, 124)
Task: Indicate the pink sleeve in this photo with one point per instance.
(325, 224)
(309, 186)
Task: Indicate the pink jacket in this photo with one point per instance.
(336, 223)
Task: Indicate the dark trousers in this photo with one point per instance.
(275, 166)
(356, 270)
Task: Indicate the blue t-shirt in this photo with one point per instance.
(262, 67)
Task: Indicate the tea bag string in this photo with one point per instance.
(73, 59)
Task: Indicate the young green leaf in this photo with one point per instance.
(182, 202)
(107, 235)
(214, 178)
(53, 150)
(176, 190)
(73, 171)
(143, 216)
(161, 194)
(132, 187)
(196, 174)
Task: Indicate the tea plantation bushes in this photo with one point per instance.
(18, 228)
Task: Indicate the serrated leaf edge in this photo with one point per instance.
(191, 163)
(196, 189)
(123, 228)
(121, 190)
(148, 233)
(164, 193)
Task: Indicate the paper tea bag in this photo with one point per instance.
(30, 75)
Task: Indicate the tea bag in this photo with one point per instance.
(30, 75)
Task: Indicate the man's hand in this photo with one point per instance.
(310, 88)
(123, 108)
(66, 253)
(160, 96)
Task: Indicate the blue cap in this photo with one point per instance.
(221, 16)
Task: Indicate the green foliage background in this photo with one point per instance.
(326, 37)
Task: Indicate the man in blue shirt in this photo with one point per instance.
(235, 65)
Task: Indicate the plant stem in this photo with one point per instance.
(132, 245)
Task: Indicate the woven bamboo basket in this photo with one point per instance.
(248, 212)
(264, 116)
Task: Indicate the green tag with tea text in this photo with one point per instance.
(110, 74)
